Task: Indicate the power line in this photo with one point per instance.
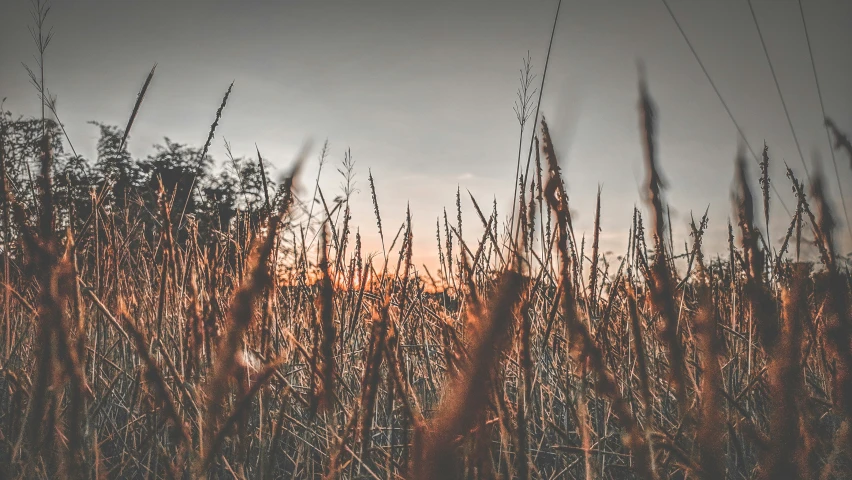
(822, 109)
(778, 88)
(721, 99)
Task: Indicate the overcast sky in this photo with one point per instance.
(422, 93)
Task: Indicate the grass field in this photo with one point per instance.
(160, 322)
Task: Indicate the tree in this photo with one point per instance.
(115, 166)
(75, 184)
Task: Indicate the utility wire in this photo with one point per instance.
(778, 88)
(721, 99)
(822, 109)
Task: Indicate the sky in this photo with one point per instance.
(422, 94)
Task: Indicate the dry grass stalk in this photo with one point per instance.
(327, 328)
(436, 456)
(790, 454)
(583, 347)
(242, 311)
(136, 106)
(662, 294)
(711, 432)
(841, 141)
(593, 274)
(838, 331)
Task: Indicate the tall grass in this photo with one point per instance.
(255, 350)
